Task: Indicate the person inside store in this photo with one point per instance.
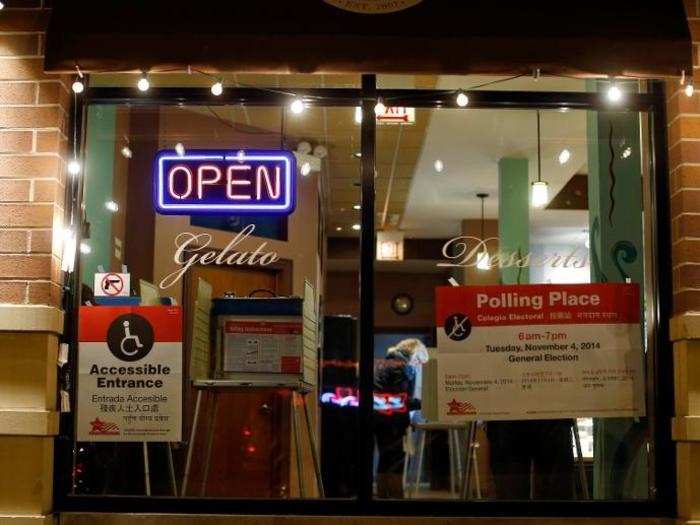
(394, 399)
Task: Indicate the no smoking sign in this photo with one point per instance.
(112, 284)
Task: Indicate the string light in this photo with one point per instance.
(78, 86)
(689, 88)
(217, 88)
(112, 206)
(462, 99)
(297, 106)
(614, 92)
(379, 108)
(126, 152)
(85, 248)
(143, 84)
(356, 227)
(180, 149)
(356, 207)
(74, 167)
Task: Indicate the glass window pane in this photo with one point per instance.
(268, 360)
(510, 304)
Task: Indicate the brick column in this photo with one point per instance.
(684, 166)
(33, 119)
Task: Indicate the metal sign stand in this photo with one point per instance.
(580, 461)
(461, 467)
(214, 388)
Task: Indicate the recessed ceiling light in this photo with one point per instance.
(564, 156)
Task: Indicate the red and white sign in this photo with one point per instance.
(130, 373)
(397, 115)
(270, 345)
(539, 351)
(112, 284)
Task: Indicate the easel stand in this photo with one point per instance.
(215, 387)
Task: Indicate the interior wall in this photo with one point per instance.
(342, 297)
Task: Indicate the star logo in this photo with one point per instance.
(460, 408)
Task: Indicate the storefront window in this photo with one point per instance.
(220, 321)
(235, 303)
(510, 287)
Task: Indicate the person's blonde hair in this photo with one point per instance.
(410, 349)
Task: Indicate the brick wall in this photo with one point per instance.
(34, 110)
(33, 123)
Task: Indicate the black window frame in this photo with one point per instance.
(663, 502)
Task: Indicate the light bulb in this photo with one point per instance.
(78, 86)
(356, 227)
(180, 149)
(304, 147)
(439, 165)
(482, 261)
(627, 152)
(143, 84)
(540, 194)
(74, 167)
(564, 156)
(112, 206)
(689, 89)
(614, 92)
(2, 5)
(305, 169)
(356, 207)
(358, 115)
(379, 108)
(217, 88)
(462, 99)
(126, 152)
(339, 228)
(85, 248)
(297, 106)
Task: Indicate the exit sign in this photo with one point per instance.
(232, 182)
(397, 115)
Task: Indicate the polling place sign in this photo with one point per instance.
(539, 351)
(129, 373)
(225, 181)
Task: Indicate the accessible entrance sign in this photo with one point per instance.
(539, 352)
(130, 374)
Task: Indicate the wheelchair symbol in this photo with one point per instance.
(130, 337)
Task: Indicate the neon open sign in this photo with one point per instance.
(232, 182)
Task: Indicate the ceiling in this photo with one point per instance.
(410, 194)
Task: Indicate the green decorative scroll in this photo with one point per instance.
(623, 251)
